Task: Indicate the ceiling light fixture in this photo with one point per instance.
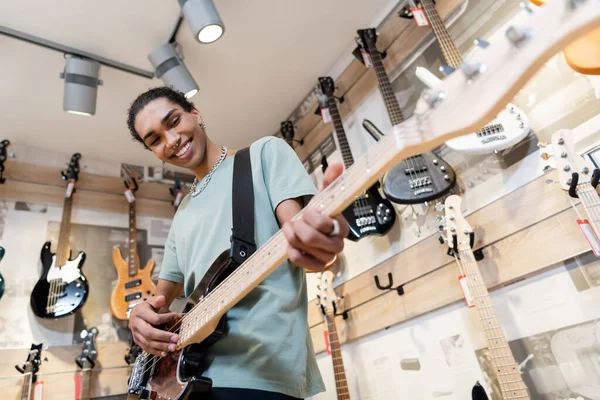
(168, 66)
(81, 85)
(203, 18)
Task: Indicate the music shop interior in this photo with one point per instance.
(342, 199)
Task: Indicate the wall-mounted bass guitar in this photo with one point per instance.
(507, 129)
(62, 288)
(29, 369)
(420, 178)
(134, 285)
(509, 64)
(460, 240)
(328, 302)
(370, 214)
(86, 362)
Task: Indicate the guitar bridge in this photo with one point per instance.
(419, 182)
(409, 171)
(490, 139)
(491, 130)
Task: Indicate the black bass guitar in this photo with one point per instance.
(370, 214)
(420, 178)
(62, 288)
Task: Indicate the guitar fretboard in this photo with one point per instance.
(591, 202)
(132, 244)
(341, 384)
(26, 387)
(340, 132)
(86, 387)
(63, 248)
(449, 50)
(507, 373)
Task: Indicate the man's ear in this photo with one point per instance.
(197, 114)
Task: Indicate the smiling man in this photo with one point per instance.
(267, 353)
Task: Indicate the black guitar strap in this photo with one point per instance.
(243, 244)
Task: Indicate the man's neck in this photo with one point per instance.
(211, 156)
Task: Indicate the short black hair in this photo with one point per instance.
(143, 99)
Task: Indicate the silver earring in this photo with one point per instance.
(203, 125)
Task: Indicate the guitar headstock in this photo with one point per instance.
(567, 159)
(3, 145)
(327, 86)
(72, 171)
(366, 38)
(33, 362)
(131, 183)
(326, 297)
(89, 350)
(406, 12)
(457, 225)
(287, 130)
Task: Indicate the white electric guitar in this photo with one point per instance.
(508, 128)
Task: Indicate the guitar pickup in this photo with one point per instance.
(132, 284)
(490, 130)
(409, 171)
(133, 296)
(419, 182)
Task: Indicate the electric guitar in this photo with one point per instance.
(437, 119)
(509, 127)
(460, 238)
(1, 278)
(86, 361)
(370, 214)
(134, 285)
(62, 288)
(29, 369)
(422, 177)
(579, 177)
(327, 301)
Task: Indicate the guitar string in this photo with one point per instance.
(587, 196)
(210, 301)
(487, 312)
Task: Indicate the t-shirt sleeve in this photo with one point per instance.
(170, 270)
(284, 174)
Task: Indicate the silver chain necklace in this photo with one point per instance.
(195, 192)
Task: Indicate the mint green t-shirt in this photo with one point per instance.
(268, 345)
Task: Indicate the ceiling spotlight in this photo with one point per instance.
(168, 66)
(203, 18)
(81, 85)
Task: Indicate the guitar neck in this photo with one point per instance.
(132, 244)
(449, 50)
(63, 249)
(341, 385)
(340, 132)
(591, 202)
(27, 386)
(85, 392)
(391, 102)
(507, 373)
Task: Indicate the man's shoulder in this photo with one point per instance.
(268, 143)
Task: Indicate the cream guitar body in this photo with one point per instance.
(130, 290)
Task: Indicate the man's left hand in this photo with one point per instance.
(314, 240)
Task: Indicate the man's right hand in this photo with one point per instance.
(142, 320)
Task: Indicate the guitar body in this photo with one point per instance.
(69, 289)
(583, 55)
(370, 214)
(424, 177)
(507, 129)
(1, 278)
(179, 374)
(130, 290)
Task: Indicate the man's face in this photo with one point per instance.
(172, 134)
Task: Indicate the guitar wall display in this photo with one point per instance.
(509, 127)
(460, 239)
(134, 285)
(420, 178)
(327, 301)
(437, 119)
(86, 362)
(62, 288)
(29, 369)
(370, 214)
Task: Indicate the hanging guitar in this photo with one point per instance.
(327, 301)
(86, 362)
(370, 214)
(62, 288)
(508, 128)
(419, 178)
(2, 251)
(134, 285)
(29, 369)
(3, 145)
(508, 66)
(460, 240)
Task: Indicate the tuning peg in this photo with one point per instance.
(447, 70)
(481, 43)
(518, 36)
(432, 96)
(472, 70)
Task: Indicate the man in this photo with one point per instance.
(267, 353)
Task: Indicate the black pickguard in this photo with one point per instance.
(478, 393)
(72, 296)
(429, 175)
(370, 214)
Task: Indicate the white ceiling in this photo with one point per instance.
(250, 80)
